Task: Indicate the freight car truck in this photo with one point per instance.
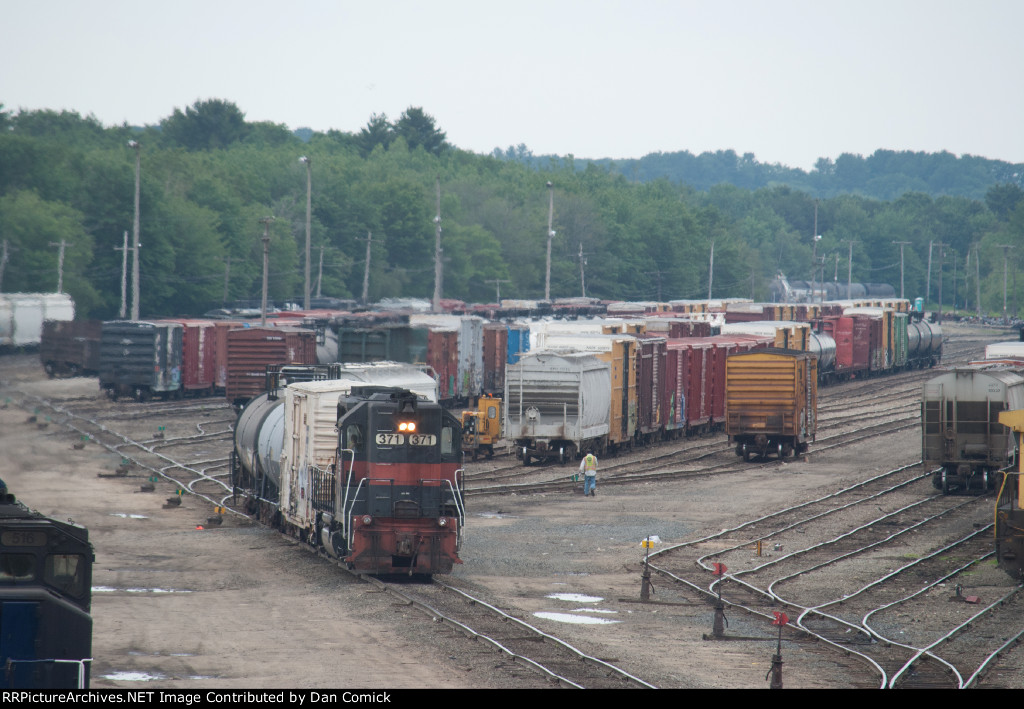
(771, 402)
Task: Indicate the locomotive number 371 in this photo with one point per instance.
(398, 439)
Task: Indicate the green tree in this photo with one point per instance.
(420, 131)
(206, 125)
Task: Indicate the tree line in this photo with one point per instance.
(208, 177)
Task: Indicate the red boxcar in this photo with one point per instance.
(687, 370)
(250, 350)
(495, 356)
(199, 356)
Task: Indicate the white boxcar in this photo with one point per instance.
(1005, 350)
(557, 403)
(22, 316)
(471, 347)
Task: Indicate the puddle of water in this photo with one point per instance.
(576, 619)
(108, 589)
(495, 515)
(133, 676)
(593, 610)
(123, 515)
(575, 597)
(200, 677)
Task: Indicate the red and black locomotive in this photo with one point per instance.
(396, 501)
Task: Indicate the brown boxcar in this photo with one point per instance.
(771, 401)
(70, 347)
(251, 349)
(651, 362)
(443, 356)
(678, 327)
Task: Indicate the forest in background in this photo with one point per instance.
(645, 227)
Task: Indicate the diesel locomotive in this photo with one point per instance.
(369, 473)
(45, 596)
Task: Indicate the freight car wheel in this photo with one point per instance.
(945, 483)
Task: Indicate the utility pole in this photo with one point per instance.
(227, 277)
(320, 272)
(266, 268)
(135, 230)
(60, 264)
(711, 269)
(977, 279)
(3, 265)
(1006, 249)
(309, 221)
(657, 274)
(928, 283)
(849, 269)
(124, 277)
(551, 235)
(942, 253)
(814, 251)
(497, 282)
(583, 283)
(366, 268)
(438, 266)
(954, 281)
(901, 244)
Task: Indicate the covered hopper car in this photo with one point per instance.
(962, 435)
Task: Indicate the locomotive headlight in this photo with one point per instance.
(407, 426)
(442, 521)
(367, 520)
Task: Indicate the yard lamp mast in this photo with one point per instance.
(134, 144)
(309, 217)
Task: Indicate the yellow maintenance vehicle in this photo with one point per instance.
(481, 428)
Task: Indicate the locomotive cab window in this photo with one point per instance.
(353, 437)
(17, 567)
(65, 572)
(447, 441)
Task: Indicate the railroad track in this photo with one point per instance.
(839, 586)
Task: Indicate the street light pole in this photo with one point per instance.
(135, 230)
(1006, 249)
(551, 235)
(266, 268)
(309, 219)
(901, 245)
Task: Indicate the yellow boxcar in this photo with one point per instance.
(771, 402)
(622, 358)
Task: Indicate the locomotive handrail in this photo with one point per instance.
(347, 511)
(348, 485)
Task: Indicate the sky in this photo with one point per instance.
(787, 80)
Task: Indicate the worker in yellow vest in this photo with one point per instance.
(588, 466)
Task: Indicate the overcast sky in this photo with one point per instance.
(787, 80)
